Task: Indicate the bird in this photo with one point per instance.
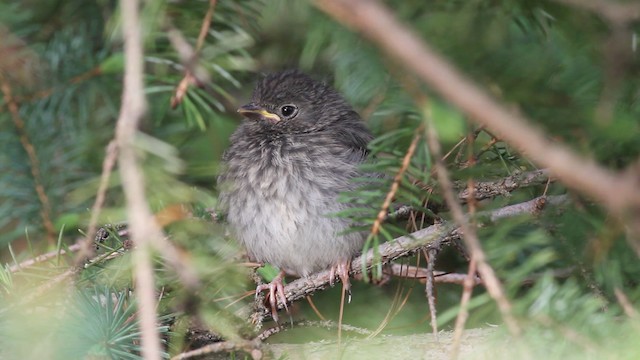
(299, 146)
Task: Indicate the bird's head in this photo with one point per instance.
(293, 102)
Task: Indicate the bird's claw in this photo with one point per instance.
(276, 292)
(342, 270)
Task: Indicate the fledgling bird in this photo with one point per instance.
(298, 148)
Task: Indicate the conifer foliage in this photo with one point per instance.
(553, 255)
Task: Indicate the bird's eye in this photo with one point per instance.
(288, 110)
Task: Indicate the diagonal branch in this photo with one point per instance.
(34, 163)
(408, 245)
(189, 56)
(616, 191)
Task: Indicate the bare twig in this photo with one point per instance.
(414, 272)
(488, 189)
(493, 285)
(463, 314)
(44, 257)
(88, 244)
(325, 324)
(431, 298)
(143, 227)
(189, 56)
(480, 190)
(623, 300)
(613, 11)
(406, 246)
(34, 163)
(614, 190)
(250, 347)
(468, 284)
(382, 214)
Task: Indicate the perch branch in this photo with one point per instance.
(408, 245)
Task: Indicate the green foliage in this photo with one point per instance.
(64, 64)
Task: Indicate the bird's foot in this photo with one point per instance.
(342, 270)
(276, 292)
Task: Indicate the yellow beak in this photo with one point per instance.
(254, 112)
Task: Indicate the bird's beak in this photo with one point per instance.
(255, 112)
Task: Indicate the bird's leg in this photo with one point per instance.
(276, 291)
(342, 269)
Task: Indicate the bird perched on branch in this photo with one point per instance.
(298, 148)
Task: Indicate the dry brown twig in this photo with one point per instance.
(34, 163)
(384, 210)
(615, 190)
(493, 285)
(468, 283)
(189, 56)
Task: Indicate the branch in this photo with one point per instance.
(482, 190)
(612, 11)
(489, 189)
(408, 245)
(144, 229)
(34, 162)
(616, 191)
(189, 56)
(44, 257)
(88, 244)
(250, 347)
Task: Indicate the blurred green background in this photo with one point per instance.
(61, 62)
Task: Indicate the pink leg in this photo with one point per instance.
(342, 270)
(276, 292)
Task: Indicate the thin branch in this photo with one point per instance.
(468, 284)
(493, 285)
(44, 257)
(143, 227)
(250, 347)
(420, 273)
(614, 190)
(613, 11)
(189, 56)
(626, 305)
(408, 245)
(463, 314)
(384, 210)
(431, 298)
(34, 163)
(88, 243)
(323, 324)
(488, 189)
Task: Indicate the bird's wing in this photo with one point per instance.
(355, 138)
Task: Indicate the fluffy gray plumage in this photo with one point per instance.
(283, 174)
